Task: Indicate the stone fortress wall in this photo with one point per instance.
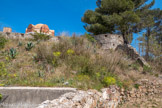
(116, 42)
(12, 35)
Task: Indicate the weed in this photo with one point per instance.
(136, 86)
(12, 53)
(29, 46)
(20, 44)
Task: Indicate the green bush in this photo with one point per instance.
(40, 36)
(3, 41)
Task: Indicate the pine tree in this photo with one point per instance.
(151, 22)
(115, 16)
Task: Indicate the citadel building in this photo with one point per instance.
(40, 28)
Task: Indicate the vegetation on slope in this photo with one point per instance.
(73, 62)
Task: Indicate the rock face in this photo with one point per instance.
(108, 98)
(109, 41)
(129, 50)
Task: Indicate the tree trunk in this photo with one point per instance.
(147, 43)
(124, 38)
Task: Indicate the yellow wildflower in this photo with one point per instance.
(7, 59)
(56, 54)
(14, 75)
(109, 80)
(1, 85)
(70, 51)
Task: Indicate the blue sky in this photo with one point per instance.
(60, 15)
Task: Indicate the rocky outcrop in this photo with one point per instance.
(131, 52)
(108, 98)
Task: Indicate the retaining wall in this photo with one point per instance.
(29, 97)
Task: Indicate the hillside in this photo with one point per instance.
(77, 62)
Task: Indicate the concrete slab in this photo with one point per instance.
(29, 97)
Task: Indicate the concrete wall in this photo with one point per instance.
(29, 97)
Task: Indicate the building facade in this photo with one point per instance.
(40, 28)
(7, 29)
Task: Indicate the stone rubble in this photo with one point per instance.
(145, 88)
(108, 98)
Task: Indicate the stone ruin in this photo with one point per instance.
(12, 35)
(109, 41)
(116, 42)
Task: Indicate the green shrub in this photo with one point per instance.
(12, 53)
(29, 46)
(3, 41)
(40, 36)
